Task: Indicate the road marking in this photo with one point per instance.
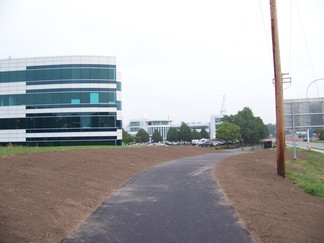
(199, 171)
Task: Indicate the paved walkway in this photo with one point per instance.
(176, 201)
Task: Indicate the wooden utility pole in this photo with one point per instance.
(279, 92)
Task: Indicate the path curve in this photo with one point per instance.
(176, 201)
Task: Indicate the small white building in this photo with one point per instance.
(149, 126)
(215, 121)
(163, 126)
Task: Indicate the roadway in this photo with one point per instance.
(177, 201)
(319, 147)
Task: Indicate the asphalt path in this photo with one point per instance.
(177, 201)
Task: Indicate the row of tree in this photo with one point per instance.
(183, 134)
(142, 137)
(243, 126)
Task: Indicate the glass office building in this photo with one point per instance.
(65, 100)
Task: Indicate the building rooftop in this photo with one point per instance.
(11, 64)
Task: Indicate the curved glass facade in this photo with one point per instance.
(64, 72)
(60, 100)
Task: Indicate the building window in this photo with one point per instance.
(94, 98)
(12, 100)
(112, 98)
(135, 123)
(85, 121)
(75, 101)
(119, 86)
(119, 105)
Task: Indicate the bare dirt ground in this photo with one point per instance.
(45, 196)
(271, 208)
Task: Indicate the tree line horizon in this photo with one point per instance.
(243, 127)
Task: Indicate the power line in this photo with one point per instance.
(289, 48)
(306, 43)
(265, 31)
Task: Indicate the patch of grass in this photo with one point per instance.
(13, 149)
(308, 174)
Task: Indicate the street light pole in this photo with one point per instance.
(309, 119)
(278, 92)
(294, 128)
(319, 79)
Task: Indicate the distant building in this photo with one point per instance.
(304, 113)
(195, 126)
(64, 100)
(215, 121)
(149, 126)
(135, 125)
(163, 126)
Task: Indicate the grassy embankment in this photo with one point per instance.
(308, 174)
(12, 149)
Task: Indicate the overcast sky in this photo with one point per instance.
(178, 58)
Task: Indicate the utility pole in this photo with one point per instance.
(279, 92)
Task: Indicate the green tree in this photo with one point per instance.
(252, 128)
(272, 129)
(195, 134)
(185, 133)
(230, 119)
(173, 134)
(142, 136)
(127, 138)
(262, 128)
(156, 136)
(204, 133)
(228, 132)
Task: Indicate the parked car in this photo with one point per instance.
(198, 142)
(194, 142)
(207, 144)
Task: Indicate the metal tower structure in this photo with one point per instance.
(223, 108)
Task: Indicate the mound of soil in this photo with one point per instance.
(271, 207)
(45, 196)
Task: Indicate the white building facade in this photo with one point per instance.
(163, 126)
(215, 121)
